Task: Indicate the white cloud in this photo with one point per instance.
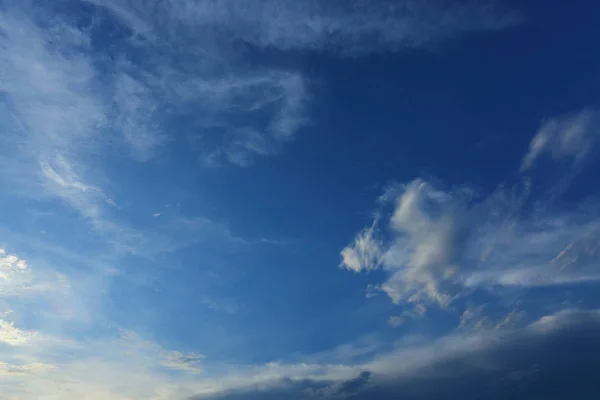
(485, 349)
(62, 181)
(13, 336)
(441, 244)
(56, 113)
(49, 94)
(137, 117)
(417, 312)
(187, 362)
(429, 228)
(24, 369)
(562, 319)
(353, 27)
(474, 319)
(68, 102)
(125, 366)
(243, 115)
(18, 280)
(232, 104)
(364, 254)
(511, 319)
(45, 294)
(570, 137)
(396, 320)
(438, 245)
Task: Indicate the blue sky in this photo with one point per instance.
(300, 199)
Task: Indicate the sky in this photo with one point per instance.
(299, 199)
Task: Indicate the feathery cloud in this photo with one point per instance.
(570, 137)
(440, 244)
(347, 28)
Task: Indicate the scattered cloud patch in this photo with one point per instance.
(364, 254)
(62, 181)
(187, 362)
(396, 320)
(473, 318)
(418, 311)
(24, 369)
(11, 335)
(571, 137)
(17, 279)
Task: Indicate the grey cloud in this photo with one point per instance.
(554, 359)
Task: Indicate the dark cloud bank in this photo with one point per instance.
(556, 358)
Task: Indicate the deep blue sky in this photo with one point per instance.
(273, 198)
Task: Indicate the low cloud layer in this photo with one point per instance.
(490, 364)
(524, 364)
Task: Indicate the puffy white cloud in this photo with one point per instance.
(570, 137)
(428, 229)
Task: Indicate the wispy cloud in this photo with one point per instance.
(571, 137)
(437, 245)
(347, 28)
(365, 253)
(441, 243)
(171, 75)
(12, 370)
(247, 110)
(138, 116)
